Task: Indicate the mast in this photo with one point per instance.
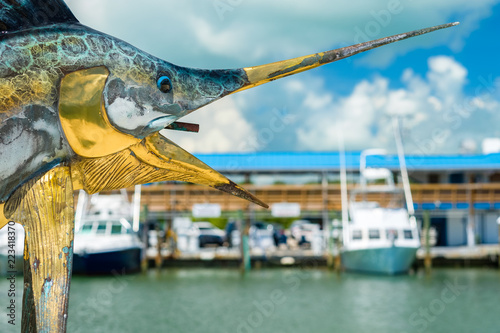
(136, 208)
(404, 171)
(343, 187)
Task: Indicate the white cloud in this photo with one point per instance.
(222, 129)
(437, 113)
(446, 78)
(437, 116)
(196, 34)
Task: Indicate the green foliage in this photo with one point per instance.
(285, 222)
(219, 222)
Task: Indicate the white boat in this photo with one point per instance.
(380, 237)
(105, 241)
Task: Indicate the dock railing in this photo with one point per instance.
(181, 197)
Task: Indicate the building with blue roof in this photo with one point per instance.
(272, 162)
(461, 192)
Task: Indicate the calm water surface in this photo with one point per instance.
(281, 300)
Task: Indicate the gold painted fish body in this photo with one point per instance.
(75, 96)
(32, 69)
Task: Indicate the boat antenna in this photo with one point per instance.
(136, 210)
(343, 184)
(402, 166)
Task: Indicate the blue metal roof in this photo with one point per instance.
(318, 161)
(439, 162)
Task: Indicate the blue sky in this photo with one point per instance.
(445, 86)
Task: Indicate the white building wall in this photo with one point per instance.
(456, 228)
(489, 228)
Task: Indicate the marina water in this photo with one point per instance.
(280, 300)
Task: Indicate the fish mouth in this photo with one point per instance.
(156, 125)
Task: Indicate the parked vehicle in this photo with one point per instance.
(261, 235)
(187, 234)
(209, 234)
(233, 235)
(279, 234)
(304, 231)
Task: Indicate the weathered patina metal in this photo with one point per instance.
(82, 110)
(92, 95)
(45, 207)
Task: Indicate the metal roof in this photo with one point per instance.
(320, 161)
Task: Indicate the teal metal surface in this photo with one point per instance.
(390, 260)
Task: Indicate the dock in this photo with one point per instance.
(463, 256)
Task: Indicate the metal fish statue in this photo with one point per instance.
(71, 94)
(80, 109)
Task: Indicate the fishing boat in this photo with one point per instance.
(380, 236)
(105, 240)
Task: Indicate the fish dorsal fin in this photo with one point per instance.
(154, 159)
(18, 15)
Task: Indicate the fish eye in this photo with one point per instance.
(164, 84)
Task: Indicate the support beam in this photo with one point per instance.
(427, 245)
(45, 207)
(324, 197)
(471, 225)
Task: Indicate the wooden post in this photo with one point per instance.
(329, 245)
(170, 239)
(145, 239)
(246, 264)
(337, 264)
(45, 207)
(335, 246)
(427, 257)
(159, 243)
(327, 226)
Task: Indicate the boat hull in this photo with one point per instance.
(121, 261)
(386, 260)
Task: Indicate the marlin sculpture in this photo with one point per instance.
(72, 97)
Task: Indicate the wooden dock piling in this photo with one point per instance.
(427, 258)
(246, 264)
